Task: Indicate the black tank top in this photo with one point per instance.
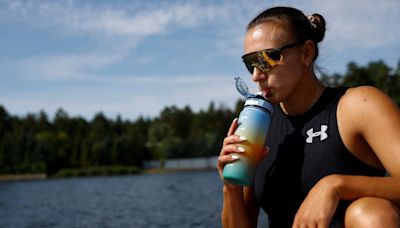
(303, 149)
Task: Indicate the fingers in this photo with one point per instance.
(225, 159)
(230, 149)
(233, 127)
(229, 153)
(310, 225)
(233, 139)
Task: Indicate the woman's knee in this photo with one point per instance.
(372, 212)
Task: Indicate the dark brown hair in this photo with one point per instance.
(302, 28)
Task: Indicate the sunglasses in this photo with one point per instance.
(266, 59)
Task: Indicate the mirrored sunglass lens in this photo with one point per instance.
(250, 62)
(274, 55)
(250, 67)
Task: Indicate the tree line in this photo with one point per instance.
(35, 144)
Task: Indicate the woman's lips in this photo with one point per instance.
(265, 92)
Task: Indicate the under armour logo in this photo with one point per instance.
(322, 134)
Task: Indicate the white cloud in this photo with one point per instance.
(120, 29)
(65, 67)
(105, 20)
(363, 24)
(360, 23)
(350, 24)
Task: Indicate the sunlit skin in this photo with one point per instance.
(369, 125)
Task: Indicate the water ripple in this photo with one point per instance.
(191, 199)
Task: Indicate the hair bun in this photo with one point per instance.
(318, 25)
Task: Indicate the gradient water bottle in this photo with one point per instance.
(254, 121)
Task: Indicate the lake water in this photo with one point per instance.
(190, 199)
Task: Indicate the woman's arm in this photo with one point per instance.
(354, 187)
(239, 207)
(369, 124)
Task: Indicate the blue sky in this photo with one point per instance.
(134, 58)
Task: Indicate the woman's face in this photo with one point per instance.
(277, 83)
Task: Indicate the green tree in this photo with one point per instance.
(158, 136)
(376, 74)
(33, 143)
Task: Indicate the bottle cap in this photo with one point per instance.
(259, 101)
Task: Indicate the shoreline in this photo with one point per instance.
(43, 176)
(28, 177)
(174, 170)
(21, 177)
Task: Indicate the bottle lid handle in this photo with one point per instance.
(242, 88)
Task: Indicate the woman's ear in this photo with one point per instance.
(308, 52)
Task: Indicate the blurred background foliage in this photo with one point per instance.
(35, 144)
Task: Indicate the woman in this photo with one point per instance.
(329, 148)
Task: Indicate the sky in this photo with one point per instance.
(134, 58)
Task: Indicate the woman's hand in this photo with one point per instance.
(239, 208)
(320, 204)
(229, 148)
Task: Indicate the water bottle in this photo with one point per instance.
(253, 124)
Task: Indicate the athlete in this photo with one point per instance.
(333, 157)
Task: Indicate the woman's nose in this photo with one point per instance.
(258, 75)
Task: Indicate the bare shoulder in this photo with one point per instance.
(369, 120)
(367, 102)
(365, 95)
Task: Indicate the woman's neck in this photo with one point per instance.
(303, 97)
